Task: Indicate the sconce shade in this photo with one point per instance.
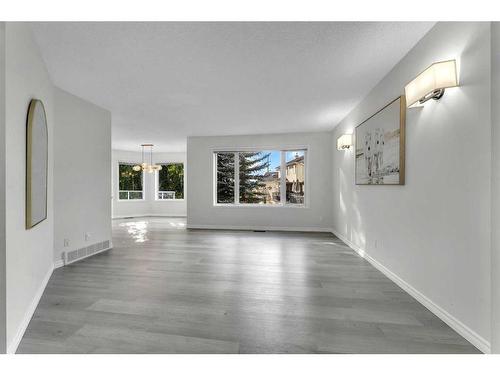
(344, 142)
(431, 82)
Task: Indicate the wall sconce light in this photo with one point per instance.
(431, 83)
(344, 142)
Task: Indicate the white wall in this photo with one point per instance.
(434, 232)
(316, 216)
(29, 252)
(2, 192)
(82, 173)
(495, 188)
(148, 206)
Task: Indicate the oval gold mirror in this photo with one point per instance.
(36, 164)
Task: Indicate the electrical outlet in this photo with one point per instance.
(87, 236)
(66, 242)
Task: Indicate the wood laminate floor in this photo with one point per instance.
(165, 289)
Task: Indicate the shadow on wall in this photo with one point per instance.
(353, 230)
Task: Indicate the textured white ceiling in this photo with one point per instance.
(166, 81)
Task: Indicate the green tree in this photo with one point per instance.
(129, 179)
(171, 178)
(253, 165)
(225, 177)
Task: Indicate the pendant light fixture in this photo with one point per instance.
(145, 166)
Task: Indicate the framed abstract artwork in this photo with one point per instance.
(36, 164)
(380, 146)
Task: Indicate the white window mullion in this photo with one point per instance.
(306, 180)
(236, 178)
(283, 178)
(157, 186)
(215, 174)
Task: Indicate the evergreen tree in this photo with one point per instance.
(225, 178)
(253, 165)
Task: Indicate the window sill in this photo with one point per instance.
(170, 200)
(131, 200)
(250, 205)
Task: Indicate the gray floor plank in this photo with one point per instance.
(165, 289)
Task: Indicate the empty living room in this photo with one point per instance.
(262, 189)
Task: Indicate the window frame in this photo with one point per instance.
(283, 151)
(157, 182)
(118, 183)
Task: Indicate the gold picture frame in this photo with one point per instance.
(36, 164)
(382, 132)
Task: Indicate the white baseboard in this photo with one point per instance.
(139, 216)
(257, 227)
(12, 347)
(462, 329)
(58, 263)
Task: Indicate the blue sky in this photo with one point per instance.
(275, 157)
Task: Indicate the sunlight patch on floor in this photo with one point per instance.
(138, 230)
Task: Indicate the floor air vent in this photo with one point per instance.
(72, 256)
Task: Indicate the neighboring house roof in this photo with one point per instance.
(270, 176)
(297, 160)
